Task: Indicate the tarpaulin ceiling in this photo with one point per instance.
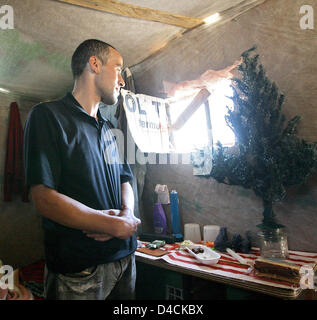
(35, 55)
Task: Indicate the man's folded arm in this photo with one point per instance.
(72, 213)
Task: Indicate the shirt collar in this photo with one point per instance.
(70, 99)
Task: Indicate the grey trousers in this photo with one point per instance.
(113, 281)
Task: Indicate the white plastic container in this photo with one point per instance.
(208, 257)
(211, 232)
(192, 232)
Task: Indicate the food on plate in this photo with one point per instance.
(198, 250)
(204, 254)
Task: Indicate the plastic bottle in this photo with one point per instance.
(175, 216)
(159, 219)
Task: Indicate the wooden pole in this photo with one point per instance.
(137, 12)
(199, 99)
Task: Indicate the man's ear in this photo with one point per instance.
(94, 64)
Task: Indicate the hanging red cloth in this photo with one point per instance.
(14, 169)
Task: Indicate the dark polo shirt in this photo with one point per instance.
(68, 150)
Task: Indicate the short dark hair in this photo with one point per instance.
(85, 50)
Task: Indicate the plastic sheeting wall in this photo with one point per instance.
(35, 56)
(288, 55)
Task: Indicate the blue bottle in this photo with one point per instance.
(159, 219)
(176, 228)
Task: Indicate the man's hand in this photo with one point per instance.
(130, 220)
(125, 211)
(103, 236)
(111, 212)
(129, 225)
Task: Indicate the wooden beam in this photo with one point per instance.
(129, 10)
(199, 99)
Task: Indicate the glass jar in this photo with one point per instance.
(273, 244)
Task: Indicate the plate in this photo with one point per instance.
(208, 256)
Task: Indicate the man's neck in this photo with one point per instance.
(87, 99)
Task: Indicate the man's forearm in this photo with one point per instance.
(71, 213)
(126, 212)
(127, 197)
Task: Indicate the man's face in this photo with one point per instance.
(109, 80)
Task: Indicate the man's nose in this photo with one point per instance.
(121, 81)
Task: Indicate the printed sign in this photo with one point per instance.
(147, 119)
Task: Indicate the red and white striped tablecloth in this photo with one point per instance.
(228, 269)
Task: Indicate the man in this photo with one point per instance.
(79, 185)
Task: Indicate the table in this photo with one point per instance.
(35, 272)
(227, 271)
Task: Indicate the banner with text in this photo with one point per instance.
(147, 120)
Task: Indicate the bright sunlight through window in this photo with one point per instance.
(218, 109)
(195, 133)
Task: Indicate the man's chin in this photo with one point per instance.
(109, 101)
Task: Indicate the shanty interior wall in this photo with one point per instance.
(288, 55)
(21, 239)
